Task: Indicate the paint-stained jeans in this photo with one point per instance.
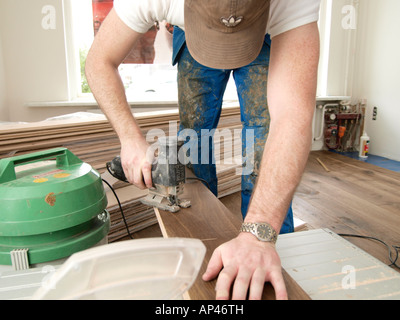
(200, 91)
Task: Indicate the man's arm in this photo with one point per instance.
(247, 262)
(111, 45)
(291, 98)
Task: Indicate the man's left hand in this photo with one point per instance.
(245, 264)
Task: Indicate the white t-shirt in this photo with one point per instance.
(284, 15)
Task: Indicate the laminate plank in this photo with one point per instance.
(210, 221)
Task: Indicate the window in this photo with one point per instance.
(156, 81)
(148, 77)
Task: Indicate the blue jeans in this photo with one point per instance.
(200, 94)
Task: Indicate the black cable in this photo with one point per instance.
(120, 207)
(396, 248)
(200, 179)
(119, 203)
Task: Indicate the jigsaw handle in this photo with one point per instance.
(114, 167)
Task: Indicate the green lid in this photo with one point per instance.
(46, 192)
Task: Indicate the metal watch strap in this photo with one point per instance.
(248, 227)
(252, 228)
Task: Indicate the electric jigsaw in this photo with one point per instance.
(168, 176)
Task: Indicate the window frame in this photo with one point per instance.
(76, 98)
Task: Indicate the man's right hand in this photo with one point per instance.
(137, 162)
(106, 54)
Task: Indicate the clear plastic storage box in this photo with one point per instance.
(154, 269)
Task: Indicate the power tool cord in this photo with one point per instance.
(200, 179)
(119, 203)
(391, 259)
(120, 207)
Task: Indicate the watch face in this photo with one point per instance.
(263, 232)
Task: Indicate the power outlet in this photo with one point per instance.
(375, 114)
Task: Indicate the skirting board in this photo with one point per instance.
(328, 267)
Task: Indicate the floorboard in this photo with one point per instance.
(354, 197)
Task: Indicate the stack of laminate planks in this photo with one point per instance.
(95, 142)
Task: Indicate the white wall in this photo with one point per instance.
(3, 98)
(377, 73)
(41, 67)
(34, 58)
(337, 48)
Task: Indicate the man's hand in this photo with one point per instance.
(106, 54)
(246, 264)
(137, 161)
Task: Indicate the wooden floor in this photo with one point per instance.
(353, 198)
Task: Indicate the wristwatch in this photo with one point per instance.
(263, 231)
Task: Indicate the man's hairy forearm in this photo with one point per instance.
(283, 163)
(291, 96)
(109, 92)
(105, 55)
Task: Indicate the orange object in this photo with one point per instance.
(101, 9)
(143, 52)
(342, 131)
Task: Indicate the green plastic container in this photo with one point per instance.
(51, 203)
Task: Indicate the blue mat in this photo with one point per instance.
(375, 160)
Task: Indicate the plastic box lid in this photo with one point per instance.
(143, 269)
